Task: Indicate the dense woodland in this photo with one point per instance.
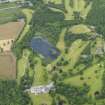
(73, 94)
(96, 16)
(12, 94)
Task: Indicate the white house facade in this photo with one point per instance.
(41, 89)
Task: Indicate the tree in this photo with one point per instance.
(11, 94)
(72, 94)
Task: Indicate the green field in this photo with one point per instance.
(40, 74)
(40, 99)
(80, 29)
(91, 76)
(10, 15)
(22, 64)
(28, 15)
(7, 5)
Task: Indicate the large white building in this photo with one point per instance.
(41, 89)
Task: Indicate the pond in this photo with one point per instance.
(44, 48)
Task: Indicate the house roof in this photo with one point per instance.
(11, 30)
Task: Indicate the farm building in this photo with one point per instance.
(8, 33)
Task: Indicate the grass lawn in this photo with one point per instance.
(28, 14)
(69, 15)
(85, 11)
(77, 6)
(22, 64)
(10, 15)
(91, 76)
(73, 55)
(53, 1)
(99, 44)
(61, 44)
(79, 29)
(100, 102)
(80, 6)
(39, 99)
(63, 98)
(39, 76)
(7, 5)
(75, 51)
(57, 1)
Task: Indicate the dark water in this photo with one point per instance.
(45, 48)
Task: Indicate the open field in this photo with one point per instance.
(53, 1)
(61, 44)
(7, 66)
(79, 6)
(79, 29)
(75, 51)
(8, 34)
(39, 99)
(7, 5)
(22, 64)
(10, 15)
(39, 77)
(73, 55)
(11, 30)
(92, 77)
(28, 13)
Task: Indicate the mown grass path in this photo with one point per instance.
(28, 13)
